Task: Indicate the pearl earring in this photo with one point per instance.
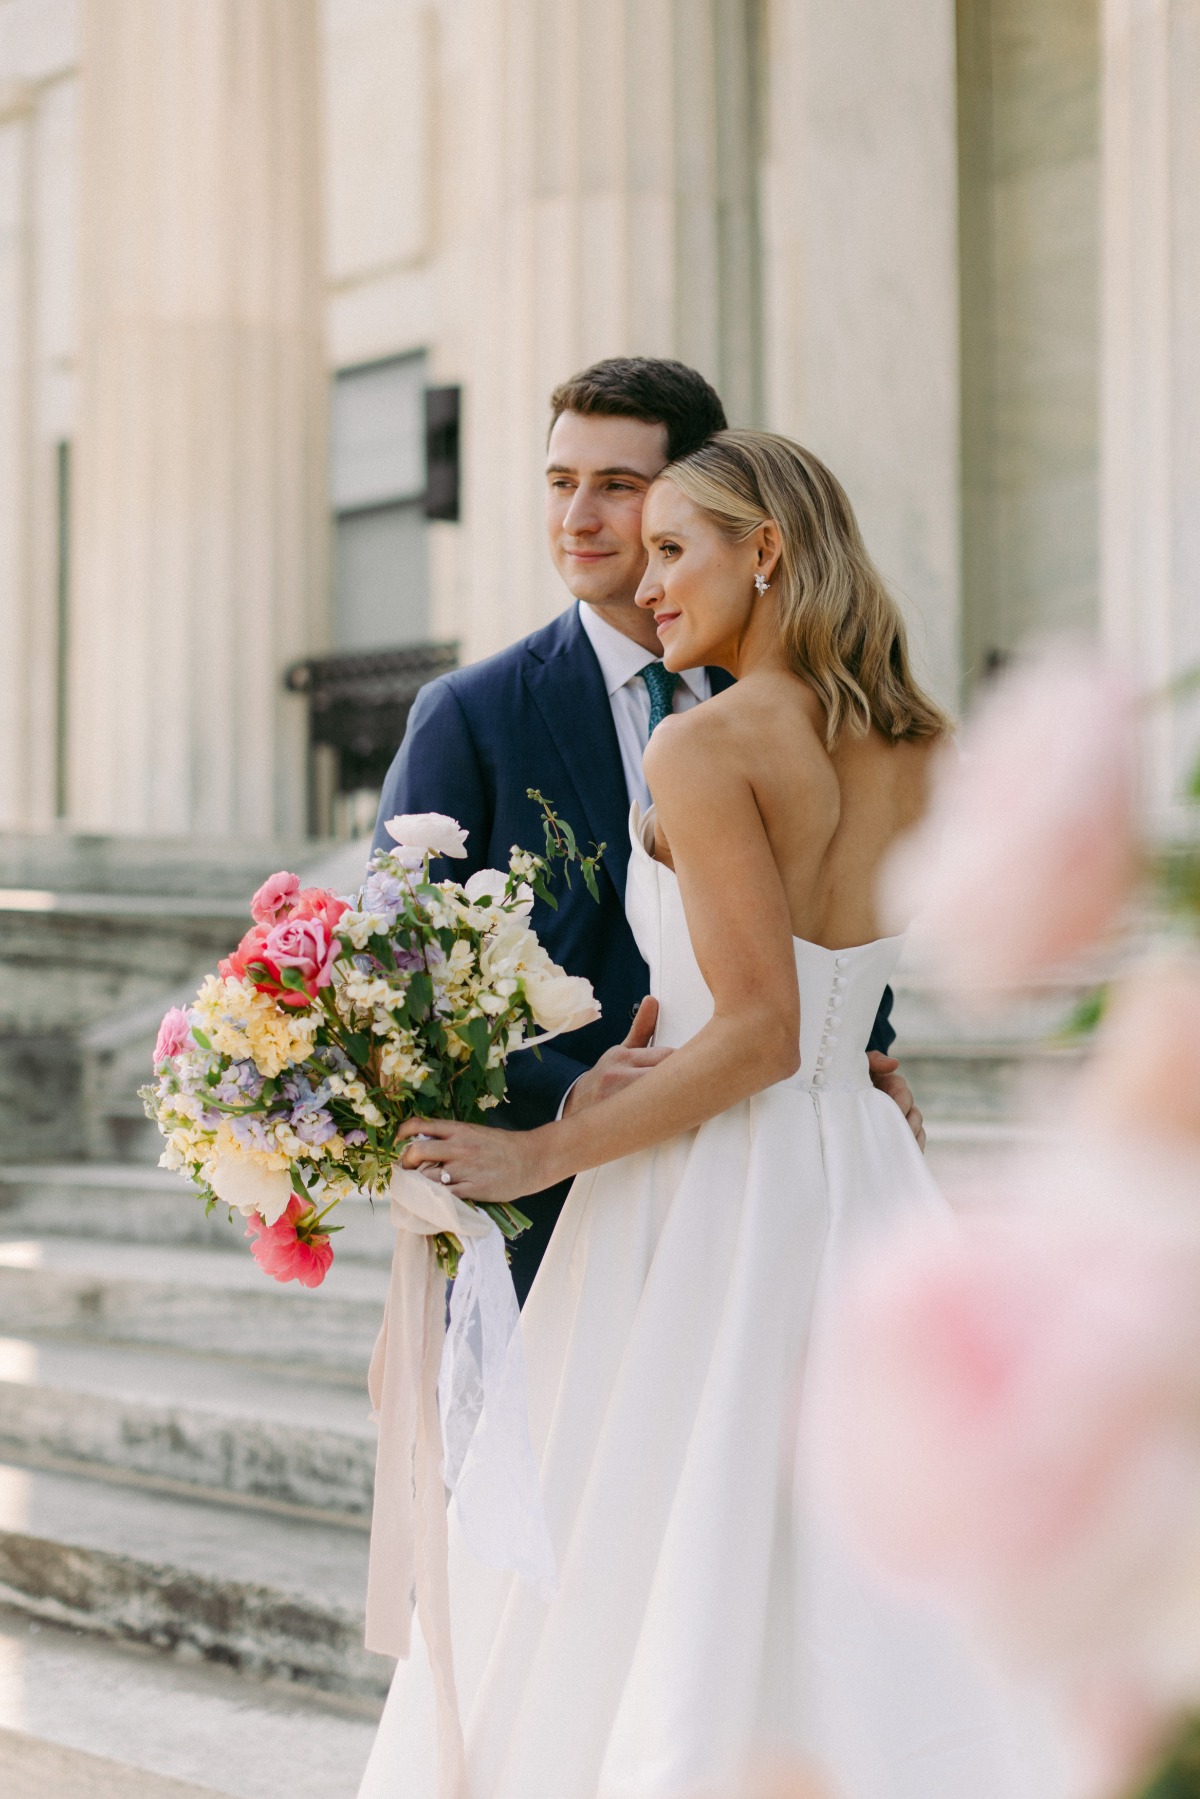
(761, 583)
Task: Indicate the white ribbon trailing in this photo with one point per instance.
(452, 1413)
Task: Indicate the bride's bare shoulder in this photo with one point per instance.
(749, 735)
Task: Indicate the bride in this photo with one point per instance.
(701, 1616)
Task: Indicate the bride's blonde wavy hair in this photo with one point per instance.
(842, 630)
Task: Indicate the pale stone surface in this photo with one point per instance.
(30, 1769)
(196, 1724)
(860, 270)
(1030, 214)
(1150, 465)
(200, 566)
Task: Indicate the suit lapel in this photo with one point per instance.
(568, 690)
(719, 679)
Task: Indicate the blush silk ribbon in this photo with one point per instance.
(452, 1411)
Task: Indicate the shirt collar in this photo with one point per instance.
(622, 660)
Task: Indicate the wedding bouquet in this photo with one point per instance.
(282, 1088)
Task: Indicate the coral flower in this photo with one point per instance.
(291, 1249)
(319, 903)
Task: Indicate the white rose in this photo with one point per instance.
(431, 832)
(510, 951)
(249, 1187)
(485, 884)
(560, 1002)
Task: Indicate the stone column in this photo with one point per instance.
(200, 523)
(609, 167)
(861, 278)
(21, 732)
(1150, 408)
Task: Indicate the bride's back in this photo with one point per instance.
(831, 816)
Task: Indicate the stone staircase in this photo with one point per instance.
(186, 1466)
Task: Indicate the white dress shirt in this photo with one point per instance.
(620, 659)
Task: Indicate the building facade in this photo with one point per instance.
(247, 245)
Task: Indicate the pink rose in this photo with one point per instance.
(1142, 1079)
(292, 1249)
(174, 1036)
(302, 944)
(318, 902)
(275, 898)
(1029, 850)
(1011, 1422)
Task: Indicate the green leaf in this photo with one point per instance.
(544, 893)
(476, 1035)
(1087, 1014)
(298, 1186)
(200, 1038)
(358, 1046)
(420, 995)
(589, 878)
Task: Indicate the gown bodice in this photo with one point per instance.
(840, 990)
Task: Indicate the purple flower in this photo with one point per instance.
(355, 1137)
(240, 1084)
(381, 895)
(314, 1127)
(251, 1133)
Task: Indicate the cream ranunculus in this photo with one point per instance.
(558, 1001)
(431, 832)
(248, 1187)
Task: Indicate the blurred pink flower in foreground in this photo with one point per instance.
(1011, 1422)
(1143, 1080)
(290, 1249)
(174, 1035)
(1028, 851)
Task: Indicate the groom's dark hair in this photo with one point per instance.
(650, 388)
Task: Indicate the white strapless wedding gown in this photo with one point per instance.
(701, 1614)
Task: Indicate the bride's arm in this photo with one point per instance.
(741, 933)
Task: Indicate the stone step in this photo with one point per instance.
(131, 1203)
(183, 1423)
(84, 1717)
(964, 1082)
(189, 1298)
(29, 1769)
(271, 1596)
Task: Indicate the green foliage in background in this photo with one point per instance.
(1178, 1774)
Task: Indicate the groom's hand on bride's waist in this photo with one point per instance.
(884, 1075)
(620, 1066)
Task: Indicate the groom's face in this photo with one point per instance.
(598, 471)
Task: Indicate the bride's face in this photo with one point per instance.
(698, 585)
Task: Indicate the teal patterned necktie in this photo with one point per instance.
(660, 685)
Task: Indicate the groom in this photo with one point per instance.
(569, 710)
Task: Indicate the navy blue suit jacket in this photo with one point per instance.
(538, 715)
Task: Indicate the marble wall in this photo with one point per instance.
(1150, 368)
(876, 228)
(38, 185)
(1030, 247)
(860, 272)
